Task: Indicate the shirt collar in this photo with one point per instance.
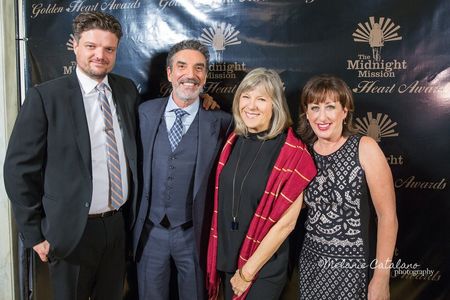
(88, 84)
(191, 109)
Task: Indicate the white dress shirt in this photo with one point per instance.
(94, 115)
(169, 114)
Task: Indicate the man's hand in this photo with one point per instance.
(209, 103)
(42, 250)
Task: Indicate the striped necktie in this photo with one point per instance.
(115, 178)
(176, 132)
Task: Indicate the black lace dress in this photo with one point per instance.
(335, 258)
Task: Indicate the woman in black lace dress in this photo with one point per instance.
(346, 254)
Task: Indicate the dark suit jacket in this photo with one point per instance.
(48, 169)
(214, 127)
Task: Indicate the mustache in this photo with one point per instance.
(190, 80)
(103, 61)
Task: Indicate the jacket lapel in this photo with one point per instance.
(208, 132)
(75, 99)
(149, 123)
(120, 99)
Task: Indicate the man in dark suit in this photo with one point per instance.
(70, 168)
(180, 145)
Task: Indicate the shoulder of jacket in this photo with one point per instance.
(150, 104)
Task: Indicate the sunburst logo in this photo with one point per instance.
(376, 33)
(378, 127)
(70, 42)
(219, 36)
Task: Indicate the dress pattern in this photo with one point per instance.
(333, 262)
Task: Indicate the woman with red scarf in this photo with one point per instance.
(262, 171)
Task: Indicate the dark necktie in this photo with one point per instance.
(176, 132)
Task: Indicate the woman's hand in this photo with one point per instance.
(378, 289)
(238, 284)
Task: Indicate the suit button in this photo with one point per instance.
(86, 204)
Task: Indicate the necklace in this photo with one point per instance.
(235, 206)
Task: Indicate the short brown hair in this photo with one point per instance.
(95, 20)
(317, 90)
(271, 81)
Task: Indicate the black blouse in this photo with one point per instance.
(257, 157)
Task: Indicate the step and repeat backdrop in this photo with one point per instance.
(394, 54)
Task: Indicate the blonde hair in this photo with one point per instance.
(271, 81)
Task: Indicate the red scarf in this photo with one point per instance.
(293, 170)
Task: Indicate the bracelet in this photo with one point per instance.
(243, 277)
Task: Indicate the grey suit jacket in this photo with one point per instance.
(48, 169)
(214, 127)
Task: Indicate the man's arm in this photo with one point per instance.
(24, 167)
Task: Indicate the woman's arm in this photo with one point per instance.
(269, 245)
(381, 187)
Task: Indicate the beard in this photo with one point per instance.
(185, 93)
(94, 72)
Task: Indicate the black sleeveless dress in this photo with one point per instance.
(335, 258)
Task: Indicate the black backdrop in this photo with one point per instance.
(401, 86)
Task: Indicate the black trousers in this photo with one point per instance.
(96, 267)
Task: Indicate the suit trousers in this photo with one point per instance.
(154, 265)
(96, 267)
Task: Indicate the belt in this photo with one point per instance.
(104, 214)
(187, 225)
